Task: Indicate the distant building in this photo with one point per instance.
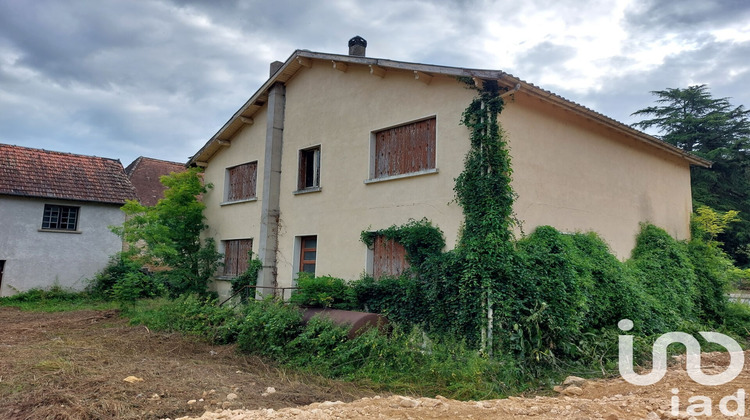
(332, 145)
(145, 174)
(56, 209)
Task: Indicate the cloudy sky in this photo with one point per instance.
(158, 78)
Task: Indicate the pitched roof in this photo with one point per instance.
(378, 66)
(45, 174)
(144, 173)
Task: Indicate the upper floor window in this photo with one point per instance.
(241, 181)
(60, 217)
(309, 169)
(405, 149)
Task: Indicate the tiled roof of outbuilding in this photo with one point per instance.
(46, 174)
(145, 173)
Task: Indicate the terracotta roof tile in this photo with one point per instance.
(46, 174)
(144, 173)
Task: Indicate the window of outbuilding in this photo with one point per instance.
(60, 217)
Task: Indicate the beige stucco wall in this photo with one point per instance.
(576, 175)
(339, 111)
(239, 220)
(568, 171)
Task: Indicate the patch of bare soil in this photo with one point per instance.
(73, 365)
(596, 399)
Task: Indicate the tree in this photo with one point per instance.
(712, 128)
(167, 235)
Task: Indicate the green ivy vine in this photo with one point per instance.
(420, 238)
(484, 192)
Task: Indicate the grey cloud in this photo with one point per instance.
(687, 15)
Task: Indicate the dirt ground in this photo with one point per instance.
(73, 365)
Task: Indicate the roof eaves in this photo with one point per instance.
(291, 65)
(613, 124)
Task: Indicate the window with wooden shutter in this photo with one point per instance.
(389, 258)
(236, 256)
(241, 181)
(405, 149)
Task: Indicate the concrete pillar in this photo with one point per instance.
(269, 227)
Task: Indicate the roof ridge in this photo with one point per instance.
(60, 153)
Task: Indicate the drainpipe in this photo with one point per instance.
(270, 211)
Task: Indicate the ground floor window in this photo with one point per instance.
(308, 254)
(236, 256)
(388, 257)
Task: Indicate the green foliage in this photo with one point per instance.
(708, 223)
(484, 192)
(420, 238)
(712, 128)
(323, 292)
(611, 293)
(249, 277)
(400, 298)
(548, 302)
(737, 319)
(125, 281)
(663, 268)
(192, 314)
(55, 299)
(268, 327)
(168, 234)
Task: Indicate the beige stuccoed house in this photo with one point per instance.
(331, 145)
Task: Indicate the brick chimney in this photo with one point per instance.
(357, 46)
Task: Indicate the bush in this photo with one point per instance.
(737, 319)
(713, 273)
(400, 299)
(611, 294)
(662, 267)
(548, 302)
(125, 280)
(267, 327)
(323, 292)
(192, 314)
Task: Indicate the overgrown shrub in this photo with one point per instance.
(400, 299)
(420, 238)
(324, 292)
(737, 319)
(548, 302)
(267, 327)
(713, 271)
(610, 291)
(249, 277)
(192, 314)
(125, 280)
(662, 267)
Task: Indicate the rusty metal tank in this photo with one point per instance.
(358, 322)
